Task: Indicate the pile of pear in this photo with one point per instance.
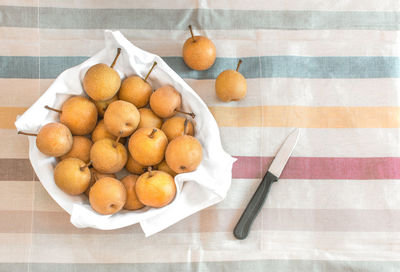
(122, 124)
(126, 124)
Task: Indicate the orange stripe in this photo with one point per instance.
(8, 116)
(308, 117)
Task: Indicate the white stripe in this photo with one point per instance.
(317, 194)
(222, 246)
(313, 142)
(307, 92)
(263, 91)
(333, 5)
(15, 247)
(229, 43)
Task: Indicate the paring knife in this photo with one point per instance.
(257, 201)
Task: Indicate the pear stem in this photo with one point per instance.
(149, 169)
(151, 135)
(238, 65)
(185, 126)
(53, 109)
(117, 140)
(26, 133)
(191, 33)
(188, 113)
(116, 57)
(151, 69)
(86, 165)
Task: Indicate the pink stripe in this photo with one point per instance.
(321, 168)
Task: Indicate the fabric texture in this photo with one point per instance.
(330, 68)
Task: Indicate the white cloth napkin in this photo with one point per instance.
(197, 190)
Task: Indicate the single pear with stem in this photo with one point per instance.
(136, 90)
(108, 156)
(165, 102)
(79, 114)
(231, 85)
(198, 52)
(53, 139)
(72, 176)
(147, 146)
(107, 196)
(155, 188)
(184, 153)
(102, 82)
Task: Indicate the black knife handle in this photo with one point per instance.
(253, 208)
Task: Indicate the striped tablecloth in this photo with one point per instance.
(332, 69)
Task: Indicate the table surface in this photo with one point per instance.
(332, 70)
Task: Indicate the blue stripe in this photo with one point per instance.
(252, 67)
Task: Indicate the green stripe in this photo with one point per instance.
(67, 18)
(253, 266)
(252, 67)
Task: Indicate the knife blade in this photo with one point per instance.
(274, 172)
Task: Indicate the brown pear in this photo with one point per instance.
(175, 127)
(198, 52)
(163, 166)
(147, 146)
(155, 189)
(166, 101)
(148, 119)
(79, 114)
(80, 149)
(107, 196)
(121, 118)
(108, 156)
(53, 139)
(184, 154)
(231, 85)
(133, 166)
(95, 176)
(100, 132)
(102, 105)
(72, 176)
(101, 82)
(136, 90)
(132, 201)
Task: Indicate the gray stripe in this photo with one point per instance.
(271, 66)
(253, 266)
(18, 16)
(66, 18)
